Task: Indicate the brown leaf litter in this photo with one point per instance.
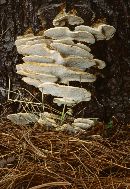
(31, 158)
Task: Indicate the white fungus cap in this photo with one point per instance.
(67, 92)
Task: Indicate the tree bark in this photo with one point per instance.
(111, 90)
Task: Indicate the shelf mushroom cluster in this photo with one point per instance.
(61, 55)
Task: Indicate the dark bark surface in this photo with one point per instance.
(111, 90)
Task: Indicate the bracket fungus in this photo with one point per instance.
(83, 123)
(30, 81)
(100, 32)
(65, 33)
(71, 18)
(37, 49)
(64, 74)
(66, 101)
(36, 58)
(79, 62)
(67, 50)
(23, 40)
(100, 64)
(67, 92)
(47, 122)
(39, 76)
(59, 56)
(23, 118)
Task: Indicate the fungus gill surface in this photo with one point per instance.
(59, 56)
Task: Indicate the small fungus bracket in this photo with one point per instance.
(71, 18)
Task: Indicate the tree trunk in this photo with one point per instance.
(110, 91)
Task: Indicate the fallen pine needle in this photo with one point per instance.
(51, 184)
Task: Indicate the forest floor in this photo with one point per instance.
(32, 158)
